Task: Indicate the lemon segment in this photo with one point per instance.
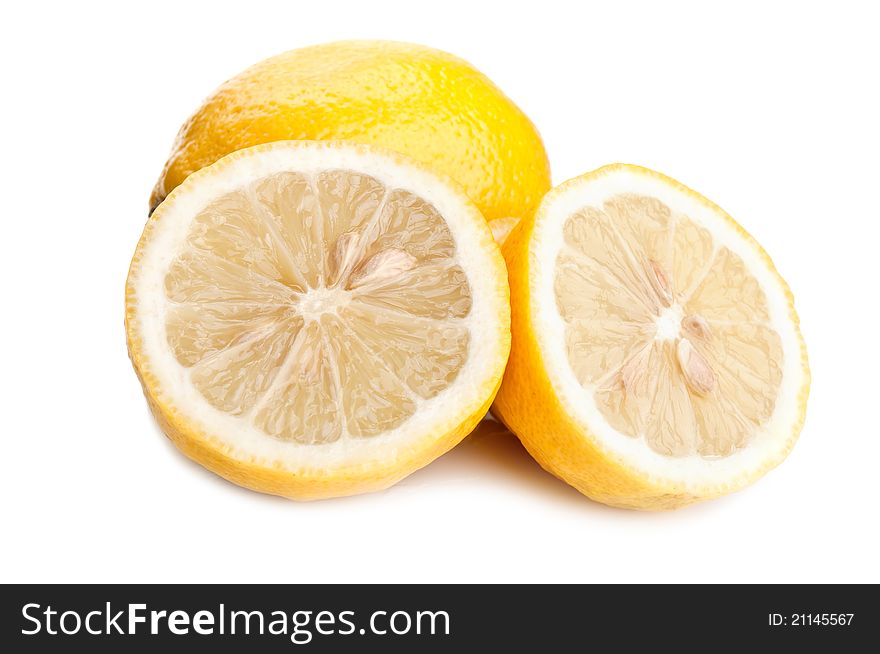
(501, 228)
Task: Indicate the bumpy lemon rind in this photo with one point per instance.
(469, 129)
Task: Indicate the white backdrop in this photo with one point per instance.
(769, 109)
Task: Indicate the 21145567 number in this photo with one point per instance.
(810, 619)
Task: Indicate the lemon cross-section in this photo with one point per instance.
(347, 309)
(317, 319)
(667, 329)
(657, 359)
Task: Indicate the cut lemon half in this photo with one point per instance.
(656, 356)
(317, 319)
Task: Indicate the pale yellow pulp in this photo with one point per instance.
(666, 329)
(319, 308)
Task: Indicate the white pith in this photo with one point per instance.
(669, 323)
(235, 435)
(693, 471)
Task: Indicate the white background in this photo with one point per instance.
(770, 109)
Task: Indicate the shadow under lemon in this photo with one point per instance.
(494, 454)
(491, 452)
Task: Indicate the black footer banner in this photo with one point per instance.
(326, 618)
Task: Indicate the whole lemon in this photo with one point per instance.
(421, 102)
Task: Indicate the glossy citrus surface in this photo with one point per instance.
(421, 102)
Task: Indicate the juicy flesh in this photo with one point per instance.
(666, 329)
(318, 307)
